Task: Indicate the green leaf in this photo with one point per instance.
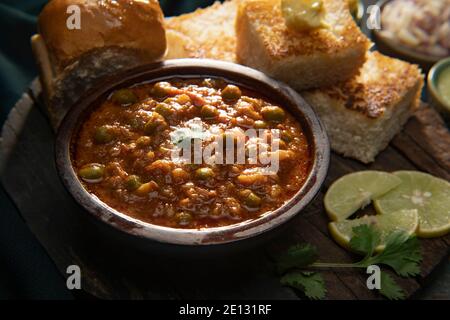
(402, 253)
(310, 283)
(389, 288)
(365, 239)
(297, 256)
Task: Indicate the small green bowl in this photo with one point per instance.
(436, 98)
(394, 49)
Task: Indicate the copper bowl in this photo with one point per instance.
(235, 233)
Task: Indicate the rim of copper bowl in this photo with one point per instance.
(191, 68)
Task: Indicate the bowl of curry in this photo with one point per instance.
(192, 152)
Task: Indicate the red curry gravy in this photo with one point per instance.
(122, 154)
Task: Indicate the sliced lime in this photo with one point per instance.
(355, 191)
(406, 220)
(421, 191)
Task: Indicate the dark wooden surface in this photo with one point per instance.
(110, 270)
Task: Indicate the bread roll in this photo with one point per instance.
(114, 35)
(131, 24)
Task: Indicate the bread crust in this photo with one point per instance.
(107, 23)
(381, 85)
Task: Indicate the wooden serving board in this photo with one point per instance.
(110, 271)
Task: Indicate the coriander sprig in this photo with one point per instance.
(401, 253)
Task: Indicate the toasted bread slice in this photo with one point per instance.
(180, 46)
(363, 114)
(204, 33)
(309, 59)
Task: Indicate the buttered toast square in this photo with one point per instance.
(307, 59)
(363, 114)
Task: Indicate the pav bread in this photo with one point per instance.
(363, 114)
(303, 59)
(113, 35)
(204, 33)
(135, 24)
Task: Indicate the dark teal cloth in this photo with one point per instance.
(25, 269)
(17, 24)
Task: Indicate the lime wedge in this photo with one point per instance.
(406, 220)
(421, 191)
(355, 191)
